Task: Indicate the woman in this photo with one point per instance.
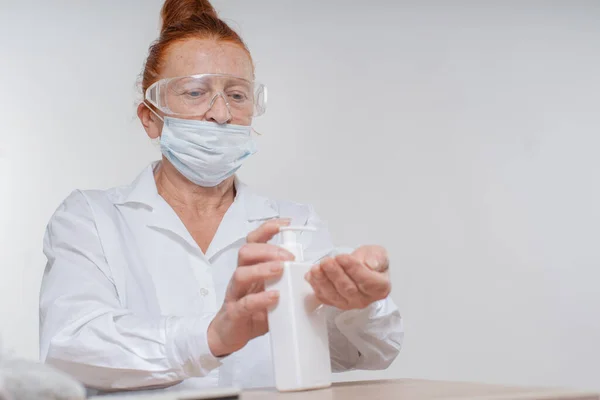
(159, 283)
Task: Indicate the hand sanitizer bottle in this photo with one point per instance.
(297, 325)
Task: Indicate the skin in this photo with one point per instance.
(350, 281)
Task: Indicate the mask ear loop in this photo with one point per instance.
(156, 141)
(152, 110)
(255, 131)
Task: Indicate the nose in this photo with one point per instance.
(218, 110)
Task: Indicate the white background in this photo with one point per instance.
(462, 135)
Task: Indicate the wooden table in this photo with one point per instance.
(414, 389)
(401, 389)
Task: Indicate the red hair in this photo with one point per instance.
(184, 19)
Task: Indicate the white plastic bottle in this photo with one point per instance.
(298, 328)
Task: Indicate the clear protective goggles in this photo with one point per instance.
(194, 95)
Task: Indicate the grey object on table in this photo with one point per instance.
(28, 380)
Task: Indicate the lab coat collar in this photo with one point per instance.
(256, 207)
(243, 216)
(142, 190)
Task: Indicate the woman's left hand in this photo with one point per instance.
(352, 281)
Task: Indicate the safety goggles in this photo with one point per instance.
(194, 95)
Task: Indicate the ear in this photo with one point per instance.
(151, 123)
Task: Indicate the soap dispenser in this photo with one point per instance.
(297, 324)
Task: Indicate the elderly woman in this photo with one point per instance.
(160, 282)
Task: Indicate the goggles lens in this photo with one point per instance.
(194, 95)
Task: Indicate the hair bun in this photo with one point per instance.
(177, 11)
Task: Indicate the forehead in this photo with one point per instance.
(206, 56)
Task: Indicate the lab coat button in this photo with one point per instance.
(203, 292)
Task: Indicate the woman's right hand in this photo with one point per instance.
(243, 315)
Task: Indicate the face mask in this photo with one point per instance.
(206, 153)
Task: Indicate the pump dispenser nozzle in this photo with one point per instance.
(290, 240)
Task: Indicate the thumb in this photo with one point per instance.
(375, 257)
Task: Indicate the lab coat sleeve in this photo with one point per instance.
(86, 332)
(368, 339)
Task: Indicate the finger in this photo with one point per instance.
(370, 283)
(248, 279)
(341, 281)
(261, 322)
(375, 257)
(254, 303)
(324, 289)
(256, 287)
(254, 253)
(260, 317)
(266, 231)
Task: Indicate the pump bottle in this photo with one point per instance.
(297, 324)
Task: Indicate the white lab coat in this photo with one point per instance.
(127, 294)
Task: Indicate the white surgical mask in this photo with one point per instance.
(204, 152)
